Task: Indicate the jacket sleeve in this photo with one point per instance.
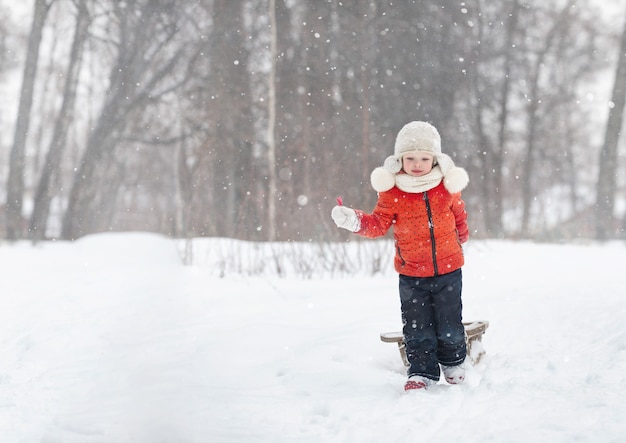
(379, 221)
(460, 217)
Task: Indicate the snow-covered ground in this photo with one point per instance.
(111, 339)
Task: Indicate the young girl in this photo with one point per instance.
(419, 194)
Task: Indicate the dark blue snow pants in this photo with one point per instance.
(432, 318)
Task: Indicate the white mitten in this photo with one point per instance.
(346, 218)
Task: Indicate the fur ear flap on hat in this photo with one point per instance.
(382, 180)
(456, 180)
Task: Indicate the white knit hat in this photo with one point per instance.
(418, 137)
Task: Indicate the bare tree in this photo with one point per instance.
(605, 197)
(15, 183)
(141, 76)
(490, 94)
(44, 193)
(537, 68)
(495, 217)
(227, 170)
(271, 124)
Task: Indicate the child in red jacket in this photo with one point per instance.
(419, 194)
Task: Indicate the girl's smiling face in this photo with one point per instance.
(417, 163)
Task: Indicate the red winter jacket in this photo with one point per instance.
(428, 228)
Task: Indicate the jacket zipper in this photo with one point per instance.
(431, 227)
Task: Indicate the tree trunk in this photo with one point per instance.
(528, 176)
(496, 219)
(487, 185)
(605, 198)
(231, 130)
(271, 126)
(15, 185)
(43, 194)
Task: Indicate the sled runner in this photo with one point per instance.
(474, 331)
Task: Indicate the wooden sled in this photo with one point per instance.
(474, 331)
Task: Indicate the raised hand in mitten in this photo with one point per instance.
(346, 218)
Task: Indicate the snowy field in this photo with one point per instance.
(111, 339)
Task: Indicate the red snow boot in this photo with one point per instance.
(417, 382)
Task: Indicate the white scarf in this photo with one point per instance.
(415, 185)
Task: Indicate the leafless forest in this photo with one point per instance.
(246, 118)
